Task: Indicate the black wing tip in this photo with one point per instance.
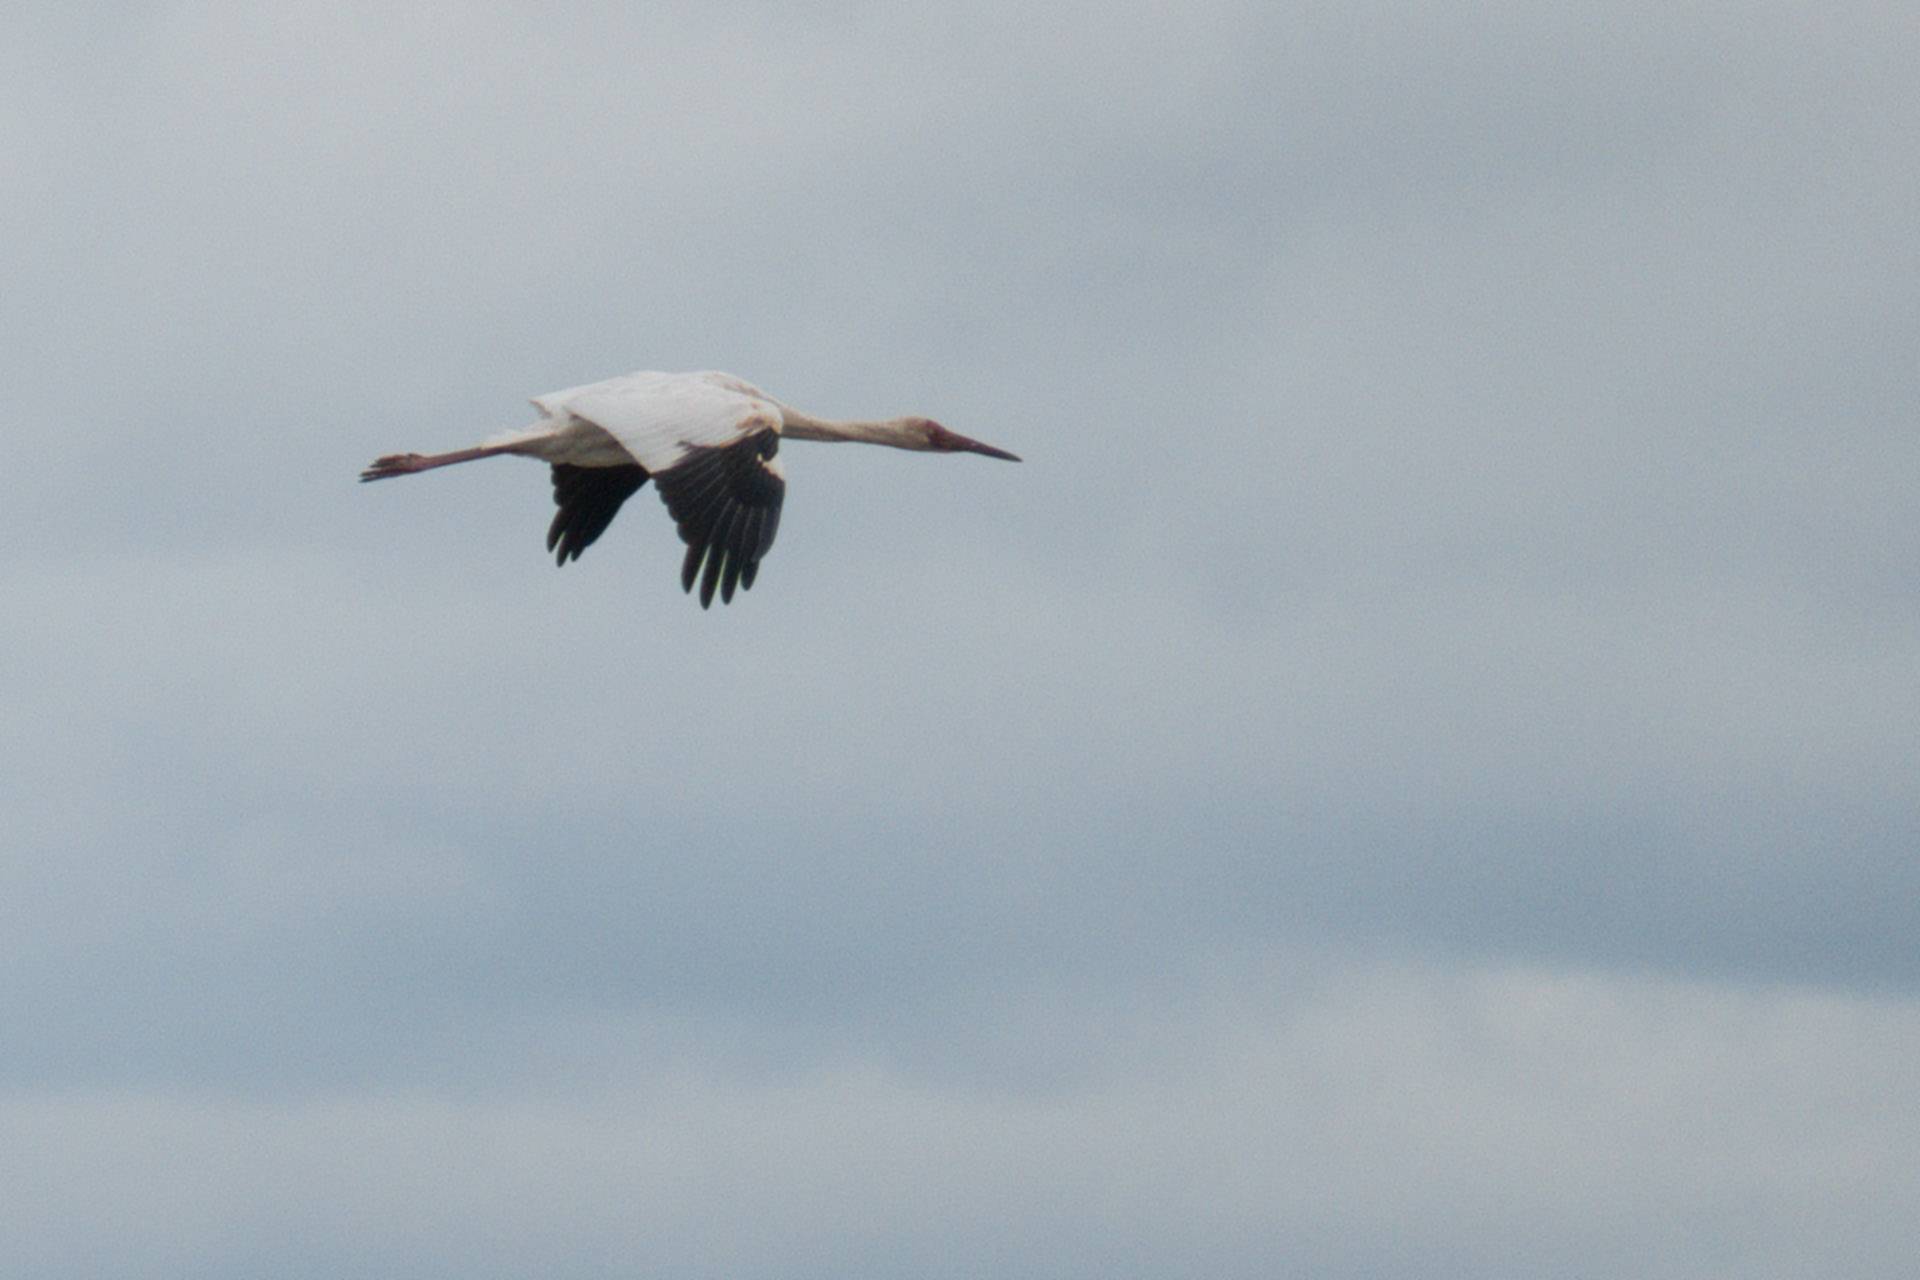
(725, 501)
(716, 572)
(588, 499)
(716, 560)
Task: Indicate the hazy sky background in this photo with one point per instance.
(1413, 776)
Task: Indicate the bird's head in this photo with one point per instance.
(941, 440)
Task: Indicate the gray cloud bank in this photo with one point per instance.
(1412, 776)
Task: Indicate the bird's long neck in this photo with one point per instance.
(898, 432)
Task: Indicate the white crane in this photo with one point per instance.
(707, 440)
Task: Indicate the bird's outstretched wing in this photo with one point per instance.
(726, 501)
(588, 498)
(709, 442)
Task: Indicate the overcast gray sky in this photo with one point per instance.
(1413, 776)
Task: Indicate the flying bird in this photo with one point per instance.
(708, 441)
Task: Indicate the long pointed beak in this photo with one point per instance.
(974, 446)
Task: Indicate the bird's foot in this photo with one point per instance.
(394, 464)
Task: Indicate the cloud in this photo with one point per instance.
(1459, 581)
(1397, 1121)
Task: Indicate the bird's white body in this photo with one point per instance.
(708, 441)
(650, 418)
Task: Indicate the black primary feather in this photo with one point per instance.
(726, 501)
(589, 498)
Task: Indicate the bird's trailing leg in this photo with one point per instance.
(405, 464)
